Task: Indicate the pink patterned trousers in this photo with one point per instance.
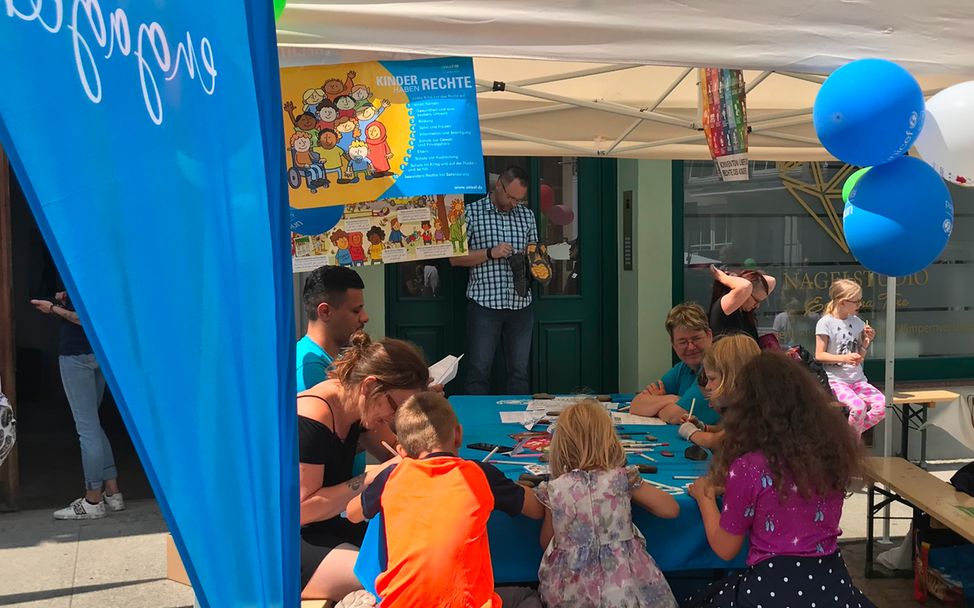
(867, 406)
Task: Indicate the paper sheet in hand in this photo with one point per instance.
(444, 370)
(626, 418)
(528, 418)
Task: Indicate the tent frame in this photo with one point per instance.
(767, 126)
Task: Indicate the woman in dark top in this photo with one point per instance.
(350, 410)
(736, 295)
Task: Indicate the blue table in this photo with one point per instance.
(676, 544)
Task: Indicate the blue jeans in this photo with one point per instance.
(485, 328)
(84, 385)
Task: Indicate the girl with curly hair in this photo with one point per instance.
(785, 462)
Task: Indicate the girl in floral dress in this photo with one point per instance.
(594, 555)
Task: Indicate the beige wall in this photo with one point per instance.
(645, 292)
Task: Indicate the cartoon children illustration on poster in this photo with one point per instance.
(348, 143)
(458, 227)
(342, 255)
(388, 231)
(395, 235)
(359, 164)
(375, 235)
(355, 249)
(379, 151)
(381, 130)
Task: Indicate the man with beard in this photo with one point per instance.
(334, 299)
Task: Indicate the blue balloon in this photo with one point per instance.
(868, 112)
(899, 217)
(318, 220)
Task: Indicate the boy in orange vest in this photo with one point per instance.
(435, 508)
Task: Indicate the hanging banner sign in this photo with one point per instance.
(724, 106)
(385, 129)
(386, 231)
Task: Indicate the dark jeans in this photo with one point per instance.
(485, 328)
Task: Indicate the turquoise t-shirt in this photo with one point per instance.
(682, 380)
(313, 364)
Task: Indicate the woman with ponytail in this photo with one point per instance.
(349, 411)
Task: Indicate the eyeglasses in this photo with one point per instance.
(516, 201)
(859, 301)
(758, 301)
(392, 403)
(696, 341)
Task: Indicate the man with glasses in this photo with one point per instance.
(498, 308)
(670, 398)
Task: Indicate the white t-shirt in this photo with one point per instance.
(845, 337)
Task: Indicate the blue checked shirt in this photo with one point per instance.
(492, 283)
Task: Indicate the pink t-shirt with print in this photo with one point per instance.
(799, 526)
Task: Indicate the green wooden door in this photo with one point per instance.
(575, 341)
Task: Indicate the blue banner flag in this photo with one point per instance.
(147, 138)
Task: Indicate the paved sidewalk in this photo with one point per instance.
(118, 561)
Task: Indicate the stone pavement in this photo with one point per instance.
(120, 561)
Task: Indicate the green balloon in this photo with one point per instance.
(278, 8)
(851, 183)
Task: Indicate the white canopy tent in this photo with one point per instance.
(613, 78)
(609, 78)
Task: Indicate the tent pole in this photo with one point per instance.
(592, 105)
(888, 384)
(605, 69)
(757, 80)
(536, 140)
(686, 139)
(527, 111)
(817, 79)
(676, 82)
(785, 136)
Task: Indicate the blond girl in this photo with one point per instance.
(841, 340)
(722, 363)
(594, 555)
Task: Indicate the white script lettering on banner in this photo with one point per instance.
(150, 39)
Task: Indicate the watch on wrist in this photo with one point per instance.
(490, 255)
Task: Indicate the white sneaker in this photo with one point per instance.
(81, 509)
(115, 502)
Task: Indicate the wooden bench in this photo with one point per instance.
(910, 485)
(915, 404)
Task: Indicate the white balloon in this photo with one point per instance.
(947, 139)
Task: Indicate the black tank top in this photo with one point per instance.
(318, 444)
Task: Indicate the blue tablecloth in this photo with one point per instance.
(676, 544)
